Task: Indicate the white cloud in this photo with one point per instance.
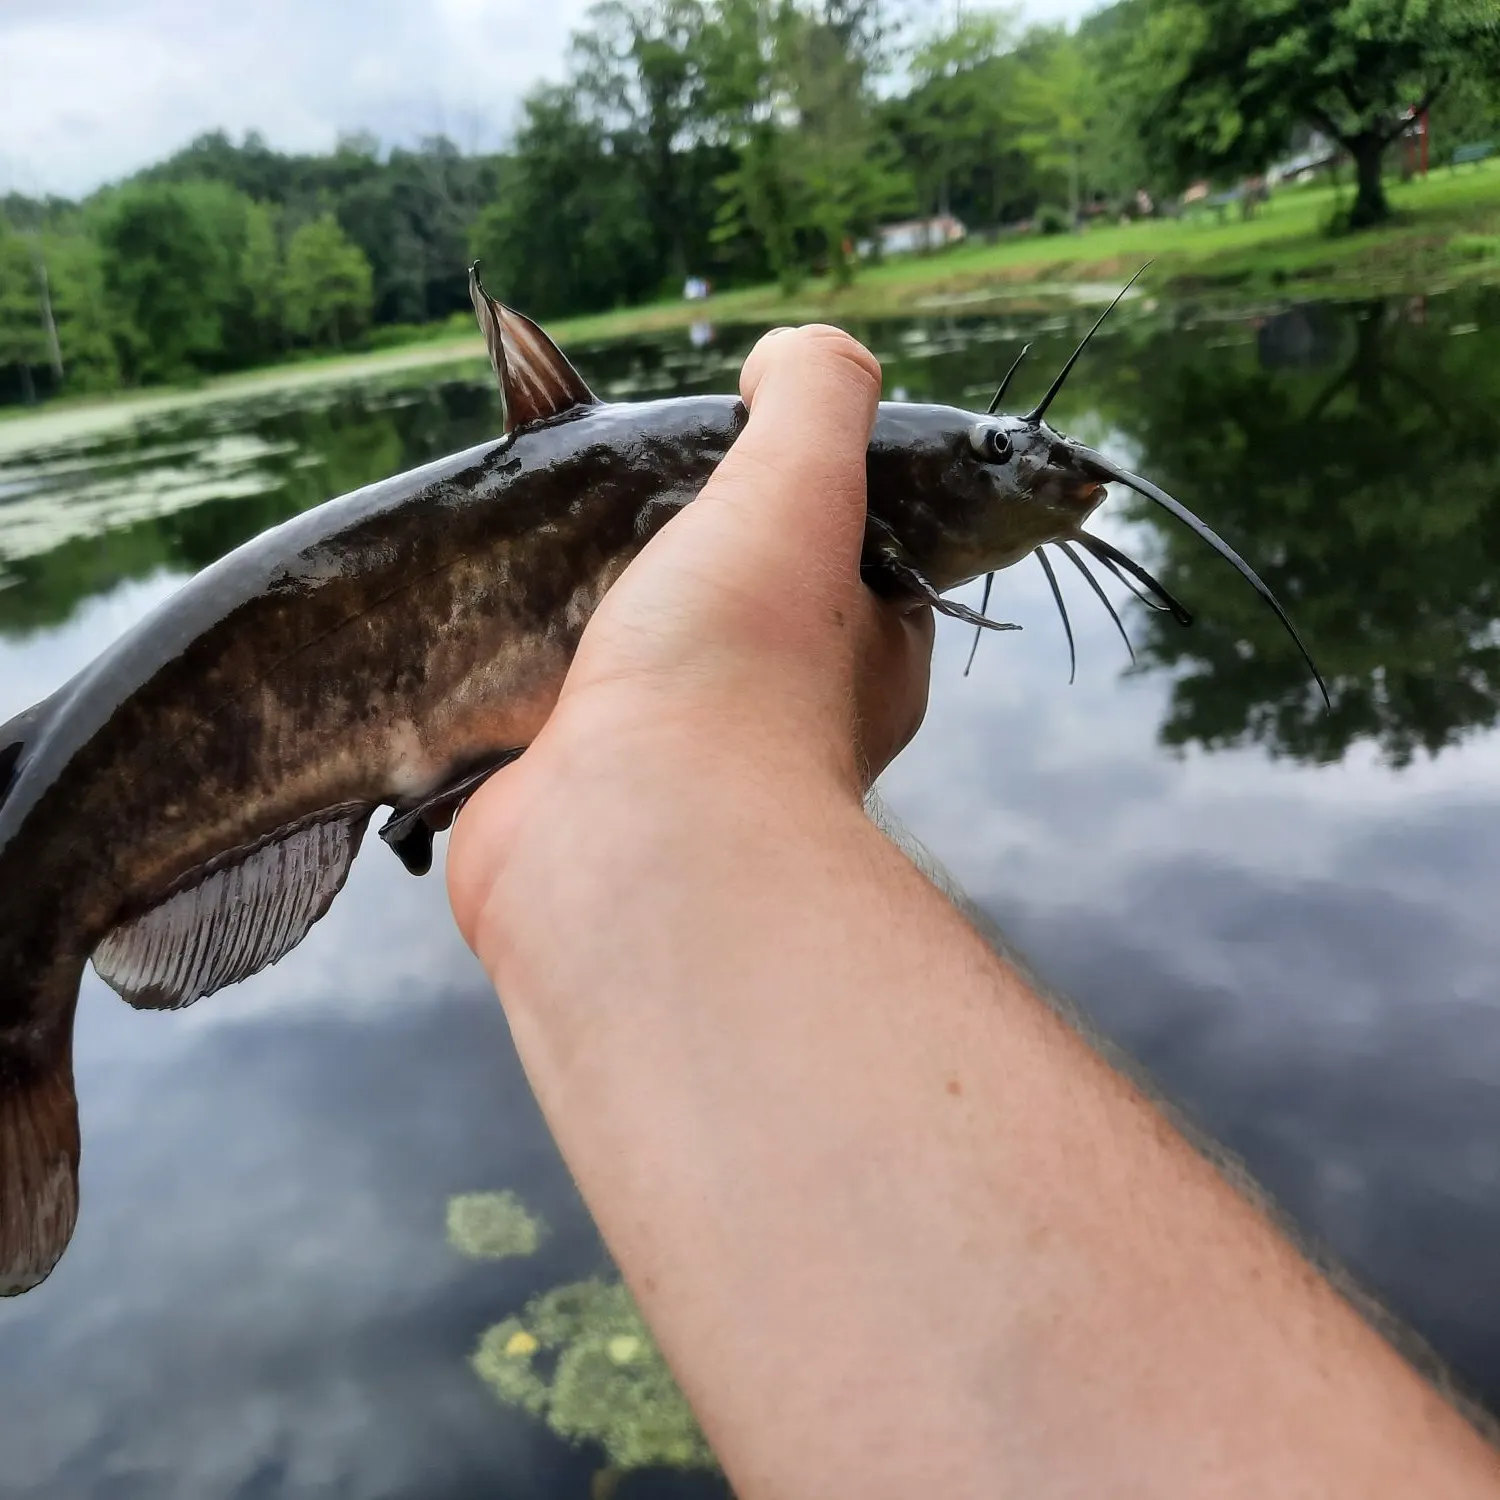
(91, 91)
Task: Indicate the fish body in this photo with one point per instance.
(184, 809)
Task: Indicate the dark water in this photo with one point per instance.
(1292, 918)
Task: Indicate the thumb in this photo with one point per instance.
(795, 477)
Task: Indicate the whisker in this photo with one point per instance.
(1154, 605)
(1071, 554)
(994, 405)
(1062, 609)
(1040, 411)
(1114, 560)
(984, 604)
(1104, 469)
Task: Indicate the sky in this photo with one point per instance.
(91, 90)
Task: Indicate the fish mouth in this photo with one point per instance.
(1082, 495)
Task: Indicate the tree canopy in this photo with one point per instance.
(735, 140)
(1223, 84)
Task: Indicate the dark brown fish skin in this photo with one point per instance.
(268, 688)
(365, 650)
(367, 653)
(187, 807)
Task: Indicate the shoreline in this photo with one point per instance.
(1446, 234)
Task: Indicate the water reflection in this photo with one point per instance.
(179, 492)
(1360, 466)
(261, 1298)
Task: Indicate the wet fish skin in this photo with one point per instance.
(363, 654)
(187, 807)
(354, 655)
(360, 653)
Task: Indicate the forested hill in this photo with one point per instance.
(738, 140)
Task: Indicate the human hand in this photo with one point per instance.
(741, 641)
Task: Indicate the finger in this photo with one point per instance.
(796, 475)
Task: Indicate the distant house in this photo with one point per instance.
(1319, 153)
(915, 234)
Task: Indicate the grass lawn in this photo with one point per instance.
(1446, 230)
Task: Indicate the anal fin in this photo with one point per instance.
(236, 915)
(409, 831)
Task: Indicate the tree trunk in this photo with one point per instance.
(1073, 218)
(1370, 206)
(49, 323)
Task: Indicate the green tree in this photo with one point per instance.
(569, 230)
(411, 215)
(790, 93)
(86, 321)
(1113, 159)
(173, 262)
(849, 165)
(23, 339)
(1055, 92)
(327, 286)
(638, 66)
(748, 99)
(1219, 85)
(955, 121)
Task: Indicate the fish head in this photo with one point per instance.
(961, 495)
(968, 494)
(1037, 488)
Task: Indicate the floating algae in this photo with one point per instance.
(582, 1358)
(493, 1226)
(579, 1357)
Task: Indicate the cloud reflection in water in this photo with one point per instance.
(260, 1299)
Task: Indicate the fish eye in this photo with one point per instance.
(991, 444)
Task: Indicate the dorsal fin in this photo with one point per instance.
(235, 916)
(536, 380)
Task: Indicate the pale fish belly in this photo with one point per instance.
(500, 704)
(498, 701)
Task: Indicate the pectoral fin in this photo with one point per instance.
(889, 573)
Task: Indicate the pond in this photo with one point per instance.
(1289, 916)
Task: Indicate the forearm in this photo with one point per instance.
(898, 1230)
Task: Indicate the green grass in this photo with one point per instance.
(1285, 246)
(1446, 230)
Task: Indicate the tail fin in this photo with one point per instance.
(38, 1112)
(38, 1162)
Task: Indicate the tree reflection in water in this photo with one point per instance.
(1364, 484)
(286, 457)
(1351, 453)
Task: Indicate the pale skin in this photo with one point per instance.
(898, 1229)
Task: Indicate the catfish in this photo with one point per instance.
(183, 810)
